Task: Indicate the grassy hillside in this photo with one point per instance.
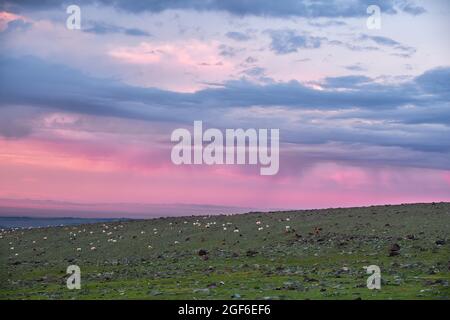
(315, 254)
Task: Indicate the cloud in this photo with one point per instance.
(351, 46)
(325, 24)
(436, 81)
(346, 81)
(238, 36)
(15, 122)
(412, 9)
(102, 28)
(355, 67)
(353, 110)
(229, 51)
(254, 72)
(29, 80)
(288, 41)
(285, 8)
(10, 22)
(381, 40)
(404, 51)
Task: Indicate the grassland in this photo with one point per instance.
(310, 254)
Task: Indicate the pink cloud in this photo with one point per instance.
(6, 17)
(90, 172)
(190, 60)
(191, 53)
(87, 159)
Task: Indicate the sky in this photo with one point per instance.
(86, 115)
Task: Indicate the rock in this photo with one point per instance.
(432, 271)
(270, 298)
(433, 282)
(235, 296)
(203, 291)
(251, 253)
(155, 293)
(394, 250)
(307, 279)
(291, 285)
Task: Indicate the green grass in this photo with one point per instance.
(287, 265)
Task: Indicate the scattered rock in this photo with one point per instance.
(155, 293)
(292, 285)
(307, 279)
(251, 253)
(203, 291)
(394, 250)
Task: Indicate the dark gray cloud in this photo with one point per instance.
(301, 8)
(29, 80)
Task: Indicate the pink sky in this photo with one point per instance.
(97, 173)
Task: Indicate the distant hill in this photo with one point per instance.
(32, 222)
